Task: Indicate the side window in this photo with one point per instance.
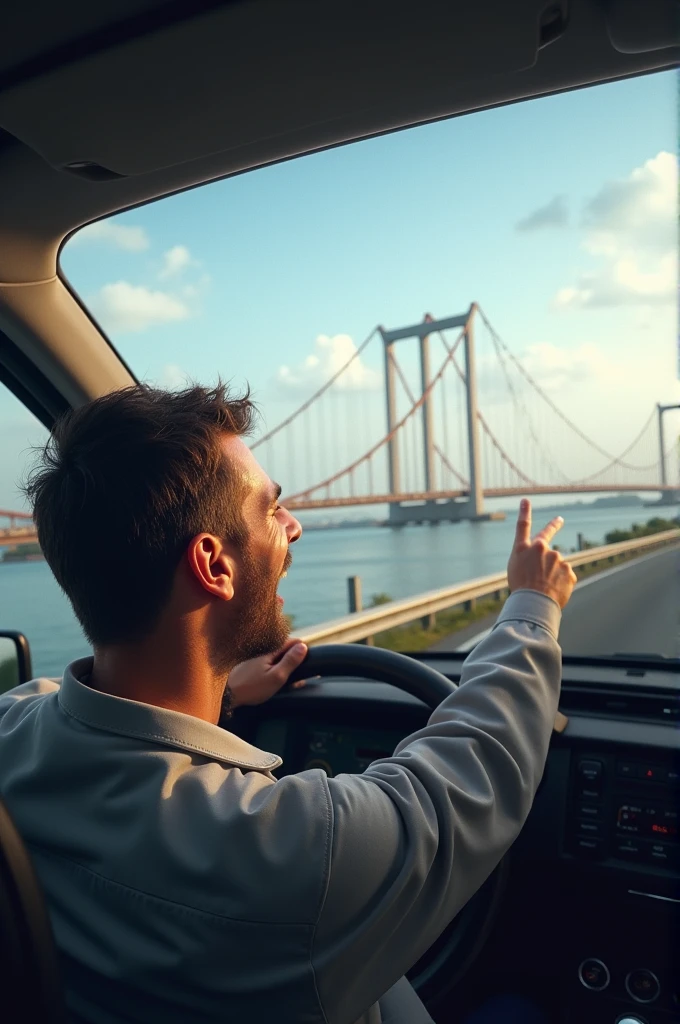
(30, 599)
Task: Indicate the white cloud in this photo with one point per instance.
(175, 260)
(631, 228)
(639, 211)
(554, 368)
(591, 377)
(329, 355)
(601, 383)
(565, 372)
(623, 281)
(124, 307)
(123, 236)
(173, 376)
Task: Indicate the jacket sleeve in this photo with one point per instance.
(417, 834)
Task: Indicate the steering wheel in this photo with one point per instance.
(452, 954)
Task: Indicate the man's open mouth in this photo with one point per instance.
(287, 562)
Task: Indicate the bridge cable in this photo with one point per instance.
(483, 422)
(317, 394)
(573, 426)
(522, 411)
(305, 494)
(450, 467)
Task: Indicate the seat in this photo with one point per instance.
(30, 980)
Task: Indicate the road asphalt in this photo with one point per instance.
(632, 608)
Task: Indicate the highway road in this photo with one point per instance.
(632, 608)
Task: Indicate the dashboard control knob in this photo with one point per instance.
(642, 985)
(594, 975)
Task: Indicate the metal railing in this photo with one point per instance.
(363, 624)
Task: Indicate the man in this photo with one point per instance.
(185, 883)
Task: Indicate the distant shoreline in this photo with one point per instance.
(616, 501)
(21, 553)
(11, 558)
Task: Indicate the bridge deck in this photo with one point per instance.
(300, 502)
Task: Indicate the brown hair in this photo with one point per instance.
(122, 486)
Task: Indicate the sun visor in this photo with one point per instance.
(637, 27)
(262, 69)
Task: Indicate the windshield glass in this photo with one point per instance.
(546, 234)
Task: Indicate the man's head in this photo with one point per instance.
(149, 504)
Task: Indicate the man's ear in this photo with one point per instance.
(212, 565)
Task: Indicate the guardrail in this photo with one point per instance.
(363, 624)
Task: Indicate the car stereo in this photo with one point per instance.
(626, 809)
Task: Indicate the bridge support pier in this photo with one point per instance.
(439, 512)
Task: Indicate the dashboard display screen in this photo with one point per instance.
(336, 748)
(341, 750)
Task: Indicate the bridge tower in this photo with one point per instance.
(432, 510)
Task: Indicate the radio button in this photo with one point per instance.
(629, 849)
(590, 828)
(590, 771)
(588, 847)
(663, 855)
(589, 811)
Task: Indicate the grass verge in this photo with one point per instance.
(415, 637)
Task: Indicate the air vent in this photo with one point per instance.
(648, 705)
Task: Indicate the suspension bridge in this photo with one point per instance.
(438, 454)
(478, 426)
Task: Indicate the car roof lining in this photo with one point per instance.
(343, 61)
(46, 36)
(95, 110)
(111, 111)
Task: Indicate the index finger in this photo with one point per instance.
(549, 531)
(523, 529)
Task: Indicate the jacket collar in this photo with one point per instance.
(156, 725)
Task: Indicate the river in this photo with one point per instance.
(396, 562)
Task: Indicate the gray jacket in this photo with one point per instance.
(186, 883)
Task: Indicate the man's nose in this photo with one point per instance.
(293, 528)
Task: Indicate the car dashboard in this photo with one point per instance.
(589, 921)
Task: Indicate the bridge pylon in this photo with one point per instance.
(433, 511)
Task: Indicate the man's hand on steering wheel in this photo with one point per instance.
(256, 680)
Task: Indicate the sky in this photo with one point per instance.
(558, 216)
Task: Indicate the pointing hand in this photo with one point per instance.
(534, 565)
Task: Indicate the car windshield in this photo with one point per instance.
(541, 239)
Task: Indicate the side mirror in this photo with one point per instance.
(15, 660)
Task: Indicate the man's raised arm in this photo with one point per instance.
(416, 835)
